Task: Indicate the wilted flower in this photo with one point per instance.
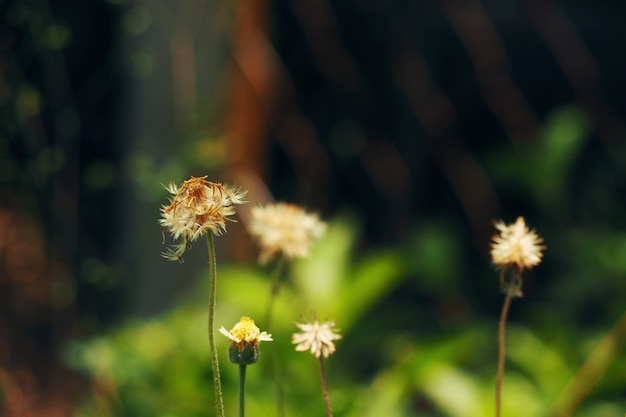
(197, 207)
(317, 337)
(285, 228)
(245, 337)
(516, 245)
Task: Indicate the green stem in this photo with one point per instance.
(505, 309)
(594, 367)
(329, 412)
(280, 396)
(242, 389)
(512, 289)
(280, 401)
(219, 404)
(273, 292)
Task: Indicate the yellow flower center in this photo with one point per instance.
(246, 330)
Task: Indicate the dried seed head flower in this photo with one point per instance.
(516, 245)
(245, 338)
(285, 228)
(317, 337)
(198, 206)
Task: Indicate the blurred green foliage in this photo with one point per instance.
(541, 171)
(161, 366)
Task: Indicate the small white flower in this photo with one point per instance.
(516, 245)
(285, 228)
(317, 338)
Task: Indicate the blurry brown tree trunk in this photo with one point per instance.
(250, 100)
(250, 104)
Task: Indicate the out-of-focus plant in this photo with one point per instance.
(406, 361)
(514, 249)
(145, 366)
(285, 231)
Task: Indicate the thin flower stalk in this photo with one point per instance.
(217, 381)
(278, 380)
(501, 346)
(329, 411)
(274, 290)
(242, 390)
(514, 249)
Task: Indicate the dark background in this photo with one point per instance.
(400, 112)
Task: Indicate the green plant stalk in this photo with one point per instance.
(242, 390)
(219, 403)
(275, 285)
(588, 375)
(278, 380)
(329, 412)
(511, 290)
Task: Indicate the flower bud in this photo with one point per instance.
(243, 355)
(245, 337)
